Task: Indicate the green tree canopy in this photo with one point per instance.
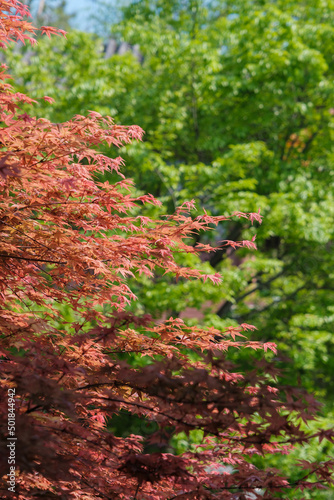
(236, 99)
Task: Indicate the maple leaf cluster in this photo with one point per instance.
(67, 238)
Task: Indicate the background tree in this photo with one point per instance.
(48, 12)
(260, 117)
(240, 116)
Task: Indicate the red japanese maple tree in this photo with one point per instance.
(68, 238)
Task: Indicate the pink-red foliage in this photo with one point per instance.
(68, 238)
